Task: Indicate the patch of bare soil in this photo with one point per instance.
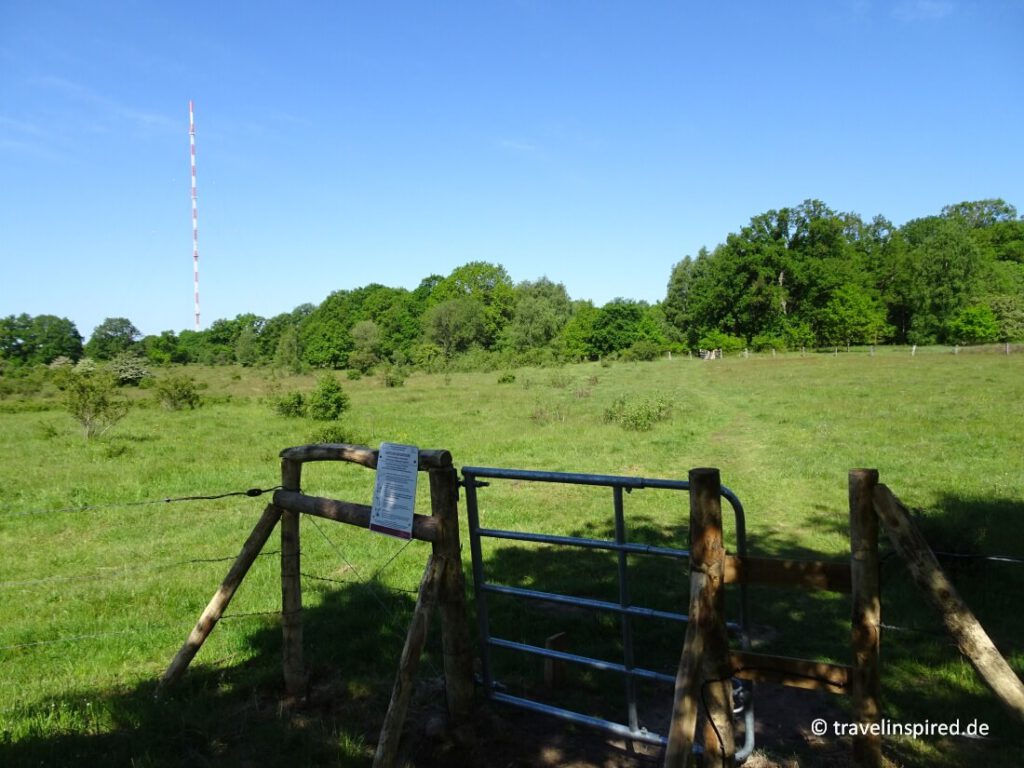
(507, 737)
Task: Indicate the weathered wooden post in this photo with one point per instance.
(222, 597)
(966, 630)
(456, 648)
(401, 692)
(705, 672)
(291, 586)
(866, 619)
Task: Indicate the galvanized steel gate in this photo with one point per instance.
(625, 608)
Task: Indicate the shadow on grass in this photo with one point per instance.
(923, 675)
(237, 715)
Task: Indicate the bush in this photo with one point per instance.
(363, 361)
(335, 433)
(128, 369)
(91, 397)
(394, 376)
(643, 351)
(766, 342)
(292, 405)
(507, 378)
(177, 392)
(328, 401)
(723, 341)
(639, 416)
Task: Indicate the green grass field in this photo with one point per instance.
(95, 602)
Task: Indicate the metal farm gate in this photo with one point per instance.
(631, 668)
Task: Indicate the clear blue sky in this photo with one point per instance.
(344, 143)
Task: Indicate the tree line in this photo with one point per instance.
(792, 278)
(809, 276)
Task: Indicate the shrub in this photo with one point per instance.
(766, 342)
(507, 378)
(177, 392)
(723, 341)
(292, 405)
(91, 397)
(394, 376)
(128, 369)
(644, 350)
(328, 400)
(362, 360)
(639, 416)
(353, 374)
(334, 432)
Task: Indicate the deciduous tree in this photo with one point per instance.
(113, 335)
(454, 324)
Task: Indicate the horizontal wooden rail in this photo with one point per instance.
(360, 454)
(770, 571)
(424, 527)
(795, 673)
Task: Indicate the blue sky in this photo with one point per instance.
(344, 143)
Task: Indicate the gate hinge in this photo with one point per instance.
(473, 483)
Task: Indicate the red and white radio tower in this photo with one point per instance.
(195, 209)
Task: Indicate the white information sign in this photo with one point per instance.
(394, 494)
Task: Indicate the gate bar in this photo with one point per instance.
(573, 541)
(624, 602)
(584, 602)
(575, 717)
(587, 661)
(620, 546)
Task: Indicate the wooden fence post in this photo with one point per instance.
(865, 682)
(220, 600)
(391, 731)
(457, 651)
(966, 630)
(291, 586)
(704, 669)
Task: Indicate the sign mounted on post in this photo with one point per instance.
(394, 494)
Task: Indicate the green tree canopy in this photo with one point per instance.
(485, 284)
(542, 309)
(111, 337)
(454, 325)
(39, 339)
(164, 349)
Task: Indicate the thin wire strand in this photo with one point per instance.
(251, 492)
(72, 639)
(372, 585)
(119, 572)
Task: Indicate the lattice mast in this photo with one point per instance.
(195, 209)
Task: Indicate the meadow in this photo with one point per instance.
(101, 580)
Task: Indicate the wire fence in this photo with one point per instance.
(125, 571)
(372, 581)
(251, 492)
